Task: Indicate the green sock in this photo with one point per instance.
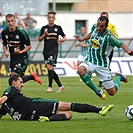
(86, 79)
(117, 82)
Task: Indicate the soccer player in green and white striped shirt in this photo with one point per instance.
(84, 46)
(101, 41)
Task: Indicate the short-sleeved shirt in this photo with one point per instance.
(100, 47)
(18, 38)
(20, 107)
(29, 22)
(50, 42)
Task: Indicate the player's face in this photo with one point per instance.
(11, 22)
(83, 30)
(51, 18)
(18, 84)
(101, 26)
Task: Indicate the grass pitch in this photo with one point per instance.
(75, 91)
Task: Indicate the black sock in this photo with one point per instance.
(50, 77)
(58, 117)
(27, 78)
(56, 78)
(84, 108)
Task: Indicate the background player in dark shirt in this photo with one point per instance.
(50, 33)
(20, 107)
(18, 43)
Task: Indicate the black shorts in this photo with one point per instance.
(43, 108)
(50, 59)
(19, 66)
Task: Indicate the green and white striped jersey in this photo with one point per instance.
(100, 47)
(84, 50)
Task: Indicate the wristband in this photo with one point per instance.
(131, 53)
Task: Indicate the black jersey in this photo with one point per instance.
(50, 42)
(20, 107)
(17, 104)
(18, 38)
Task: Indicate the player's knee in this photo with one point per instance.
(81, 70)
(111, 92)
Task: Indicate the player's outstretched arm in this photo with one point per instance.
(3, 99)
(127, 50)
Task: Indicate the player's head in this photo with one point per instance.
(10, 20)
(104, 14)
(83, 30)
(51, 17)
(28, 15)
(16, 81)
(102, 24)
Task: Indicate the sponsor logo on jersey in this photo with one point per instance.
(95, 44)
(13, 43)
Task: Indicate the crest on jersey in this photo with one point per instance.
(17, 36)
(55, 29)
(95, 44)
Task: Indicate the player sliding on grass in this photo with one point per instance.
(20, 107)
(102, 41)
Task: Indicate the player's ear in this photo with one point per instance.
(13, 83)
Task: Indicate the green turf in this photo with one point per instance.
(75, 91)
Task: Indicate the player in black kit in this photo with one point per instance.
(20, 107)
(50, 33)
(18, 43)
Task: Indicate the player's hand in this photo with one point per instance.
(45, 32)
(131, 53)
(7, 54)
(76, 45)
(17, 50)
(77, 37)
(61, 40)
(82, 44)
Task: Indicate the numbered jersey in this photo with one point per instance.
(100, 47)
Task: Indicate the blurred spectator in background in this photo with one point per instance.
(84, 46)
(19, 22)
(30, 22)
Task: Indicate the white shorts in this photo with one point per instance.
(103, 74)
(81, 58)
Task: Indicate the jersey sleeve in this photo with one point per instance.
(9, 92)
(42, 31)
(26, 38)
(61, 32)
(2, 111)
(113, 41)
(93, 27)
(4, 42)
